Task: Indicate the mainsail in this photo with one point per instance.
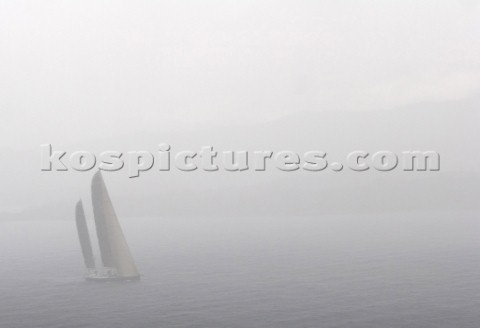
(113, 246)
(84, 237)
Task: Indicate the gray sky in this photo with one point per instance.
(88, 69)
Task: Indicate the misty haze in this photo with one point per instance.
(239, 248)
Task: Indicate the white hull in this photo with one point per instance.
(100, 278)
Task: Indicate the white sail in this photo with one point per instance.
(113, 245)
(84, 236)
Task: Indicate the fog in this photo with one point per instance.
(251, 76)
(331, 76)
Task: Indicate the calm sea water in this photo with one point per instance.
(405, 270)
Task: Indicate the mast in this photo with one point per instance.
(114, 249)
(84, 236)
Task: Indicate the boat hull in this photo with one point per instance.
(102, 279)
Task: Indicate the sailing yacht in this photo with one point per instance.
(117, 261)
